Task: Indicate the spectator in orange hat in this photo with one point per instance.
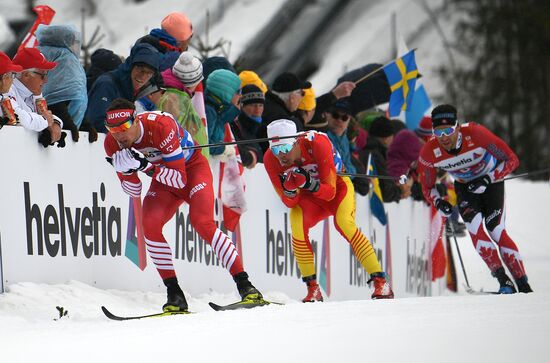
(7, 73)
(173, 37)
(26, 90)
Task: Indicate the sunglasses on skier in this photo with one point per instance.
(445, 131)
(120, 127)
(283, 148)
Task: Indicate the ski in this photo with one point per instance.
(156, 315)
(471, 291)
(242, 305)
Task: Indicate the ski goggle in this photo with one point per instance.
(121, 127)
(283, 148)
(446, 131)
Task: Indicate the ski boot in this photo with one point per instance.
(175, 297)
(313, 290)
(523, 285)
(506, 285)
(247, 291)
(382, 288)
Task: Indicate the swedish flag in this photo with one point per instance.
(401, 74)
(376, 200)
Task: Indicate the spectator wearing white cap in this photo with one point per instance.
(179, 83)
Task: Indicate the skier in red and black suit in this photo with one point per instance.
(152, 142)
(478, 161)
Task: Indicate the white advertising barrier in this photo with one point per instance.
(63, 216)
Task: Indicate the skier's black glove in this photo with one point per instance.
(288, 193)
(307, 182)
(444, 207)
(478, 186)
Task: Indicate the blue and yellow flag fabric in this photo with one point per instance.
(376, 200)
(401, 74)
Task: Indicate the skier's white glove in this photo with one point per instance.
(128, 161)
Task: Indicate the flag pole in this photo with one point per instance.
(368, 75)
(376, 70)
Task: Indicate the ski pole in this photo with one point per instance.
(402, 179)
(529, 173)
(459, 255)
(242, 142)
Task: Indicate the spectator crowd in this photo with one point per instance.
(47, 90)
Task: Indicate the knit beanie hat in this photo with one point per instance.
(424, 128)
(177, 25)
(308, 102)
(105, 59)
(250, 77)
(381, 127)
(223, 84)
(188, 69)
(252, 94)
(444, 115)
(212, 63)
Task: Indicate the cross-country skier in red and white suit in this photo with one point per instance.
(151, 142)
(478, 161)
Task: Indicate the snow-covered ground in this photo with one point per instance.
(452, 328)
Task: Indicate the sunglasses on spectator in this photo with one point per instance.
(446, 131)
(120, 127)
(42, 75)
(283, 148)
(344, 117)
(300, 92)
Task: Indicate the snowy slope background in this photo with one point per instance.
(453, 328)
(365, 35)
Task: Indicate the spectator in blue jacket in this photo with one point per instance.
(127, 81)
(338, 117)
(222, 106)
(65, 90)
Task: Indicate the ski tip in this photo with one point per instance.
(215, 306)
(240, 305)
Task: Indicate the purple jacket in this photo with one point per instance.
(403, 150)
